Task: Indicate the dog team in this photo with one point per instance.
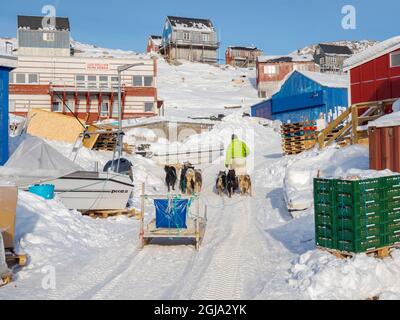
(191, 180)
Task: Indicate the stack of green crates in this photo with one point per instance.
(357, 215)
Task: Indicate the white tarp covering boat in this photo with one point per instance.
(36, 162)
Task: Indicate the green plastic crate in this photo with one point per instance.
(359, 246)
(358, 186)
(392, 205)
(391, 182)
(361, 234)
(358, 211)
(392, 195)
(326, 243)
(393, 216)
(358, 199)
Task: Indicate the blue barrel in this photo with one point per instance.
(45, 191)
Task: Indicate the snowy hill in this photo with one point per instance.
(204, 89)
(356, 46)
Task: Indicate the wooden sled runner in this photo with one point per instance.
(174, 220)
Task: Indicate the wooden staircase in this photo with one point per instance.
(350, 126)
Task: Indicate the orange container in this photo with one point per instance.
(384, 148)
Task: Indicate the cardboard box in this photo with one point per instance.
(8, 209)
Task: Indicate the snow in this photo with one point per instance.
(373, 52)
(325, 277)
(327, 80)
(329, 163)
(389, 120)
(197, 89)
(253, 248)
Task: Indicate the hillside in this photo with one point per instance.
(356, 46)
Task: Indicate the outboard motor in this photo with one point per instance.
(121, 166)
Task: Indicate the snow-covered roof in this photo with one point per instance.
(286, 58)
(373, 52)
(326, 79)
(251, 48)
(36, 23)
(181, 23)
(8, 60)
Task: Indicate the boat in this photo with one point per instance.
(87, 191)
(36, 162)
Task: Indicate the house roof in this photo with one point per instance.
(191, 23)
(8, 60)
(373, 52)
(335, 49)
(35, 23)
(243, 48)
(286, 58)
(326, 79)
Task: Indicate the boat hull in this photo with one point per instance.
(87, 191)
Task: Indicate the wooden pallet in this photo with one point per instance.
(381, 253)
(13, 258)
(105, 214)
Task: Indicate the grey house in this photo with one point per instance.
(331, 57)
(190, 39)
(37, 36)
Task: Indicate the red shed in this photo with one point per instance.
(375, 72)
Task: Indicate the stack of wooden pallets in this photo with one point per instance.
(298, 137)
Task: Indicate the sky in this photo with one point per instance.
(275, 26)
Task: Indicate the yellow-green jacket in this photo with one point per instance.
(236, 149)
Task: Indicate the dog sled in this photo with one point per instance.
(176, 218)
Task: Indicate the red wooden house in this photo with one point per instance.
(375, 73)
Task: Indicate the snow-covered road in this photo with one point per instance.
(243, 255)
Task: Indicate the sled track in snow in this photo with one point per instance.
(222, 277)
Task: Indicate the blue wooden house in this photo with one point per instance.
(306, 95)
(7, 63)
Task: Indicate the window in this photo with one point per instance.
(271, 70)
(20, 78)
(115, 109)
(57, 107)
(92, 82)
(104, 109)
(148, 106)
(114, 82)
(47, 36)
(148, 81)
(395, 59)
(205, 37)
(103, 81)
(186, 36)
(11, 79)
(11, 105)
(33, 78)
(80, 81)
(137, 81)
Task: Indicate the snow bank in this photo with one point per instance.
(389, 120)
(331, 162)
(324, 276)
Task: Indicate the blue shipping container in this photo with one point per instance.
(305, 96)
(4, 114)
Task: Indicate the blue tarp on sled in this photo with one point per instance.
(171, 213)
